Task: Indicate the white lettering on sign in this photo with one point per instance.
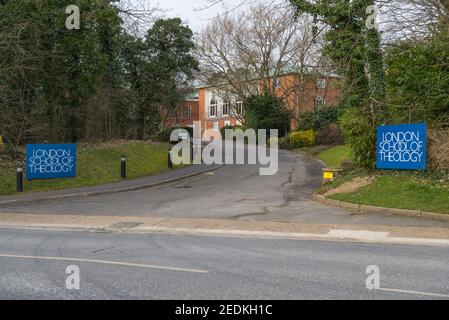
(51, 161)
(403, 146)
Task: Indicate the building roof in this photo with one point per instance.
(292, 69)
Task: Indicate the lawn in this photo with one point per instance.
(402, 191)
(332, 157)
(97, 164)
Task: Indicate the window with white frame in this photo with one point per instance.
(321, 83)
(216, 125)
(239, 108)
(213, 106)
(225, 109)
(188, 112)
(319, 102)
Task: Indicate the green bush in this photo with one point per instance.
(329, 135)
(267, 112)
(318, 119)
(361, 137)
(284, 143)
(301, 139)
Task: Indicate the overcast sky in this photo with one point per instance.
(189, 10)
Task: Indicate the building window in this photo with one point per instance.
(321, 83)
(225, 109)
(319, 102)
(213, 111)
(239, 107)
(188, 112)
(216, 125)
(213, 106)
(277, 83)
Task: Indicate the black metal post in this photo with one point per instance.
(19, 174)
(170, 164)
(123, 167)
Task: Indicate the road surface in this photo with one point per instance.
(145, 266)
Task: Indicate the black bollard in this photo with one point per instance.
(123, 167)
(19, 174)
(170, 164)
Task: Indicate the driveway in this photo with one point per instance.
(231, 192)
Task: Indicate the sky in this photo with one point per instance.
(195, 12)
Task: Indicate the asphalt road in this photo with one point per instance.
(233, 192)
(33, 266)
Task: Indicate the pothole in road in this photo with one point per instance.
(126, 225)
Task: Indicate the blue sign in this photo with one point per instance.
(401, 147)
(49, 161)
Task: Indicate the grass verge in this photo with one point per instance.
(332, 157)
(96, 164)
(402, 191)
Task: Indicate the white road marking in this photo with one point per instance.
(430, 294)
(126, 264)
(357, 234)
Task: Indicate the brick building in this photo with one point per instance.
(301, 93)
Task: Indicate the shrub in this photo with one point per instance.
(329, 135)
(301, 139)
(284, 143)
(267, 112)
(360, 134)
(318, 119)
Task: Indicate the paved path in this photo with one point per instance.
(124, 266)
(230, 192)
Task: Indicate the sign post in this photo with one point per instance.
(401, 147)
(50, 161)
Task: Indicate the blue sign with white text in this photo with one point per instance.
(401, 147)
(49, 161)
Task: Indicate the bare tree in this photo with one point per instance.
(411, 18)
(243, 52)
(138, 15)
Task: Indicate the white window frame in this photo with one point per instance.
(239, 108)
(216, 125)
(319, 102)
(188, 110)
(321, 83)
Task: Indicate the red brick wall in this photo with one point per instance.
(181, 118)
(299, 99)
